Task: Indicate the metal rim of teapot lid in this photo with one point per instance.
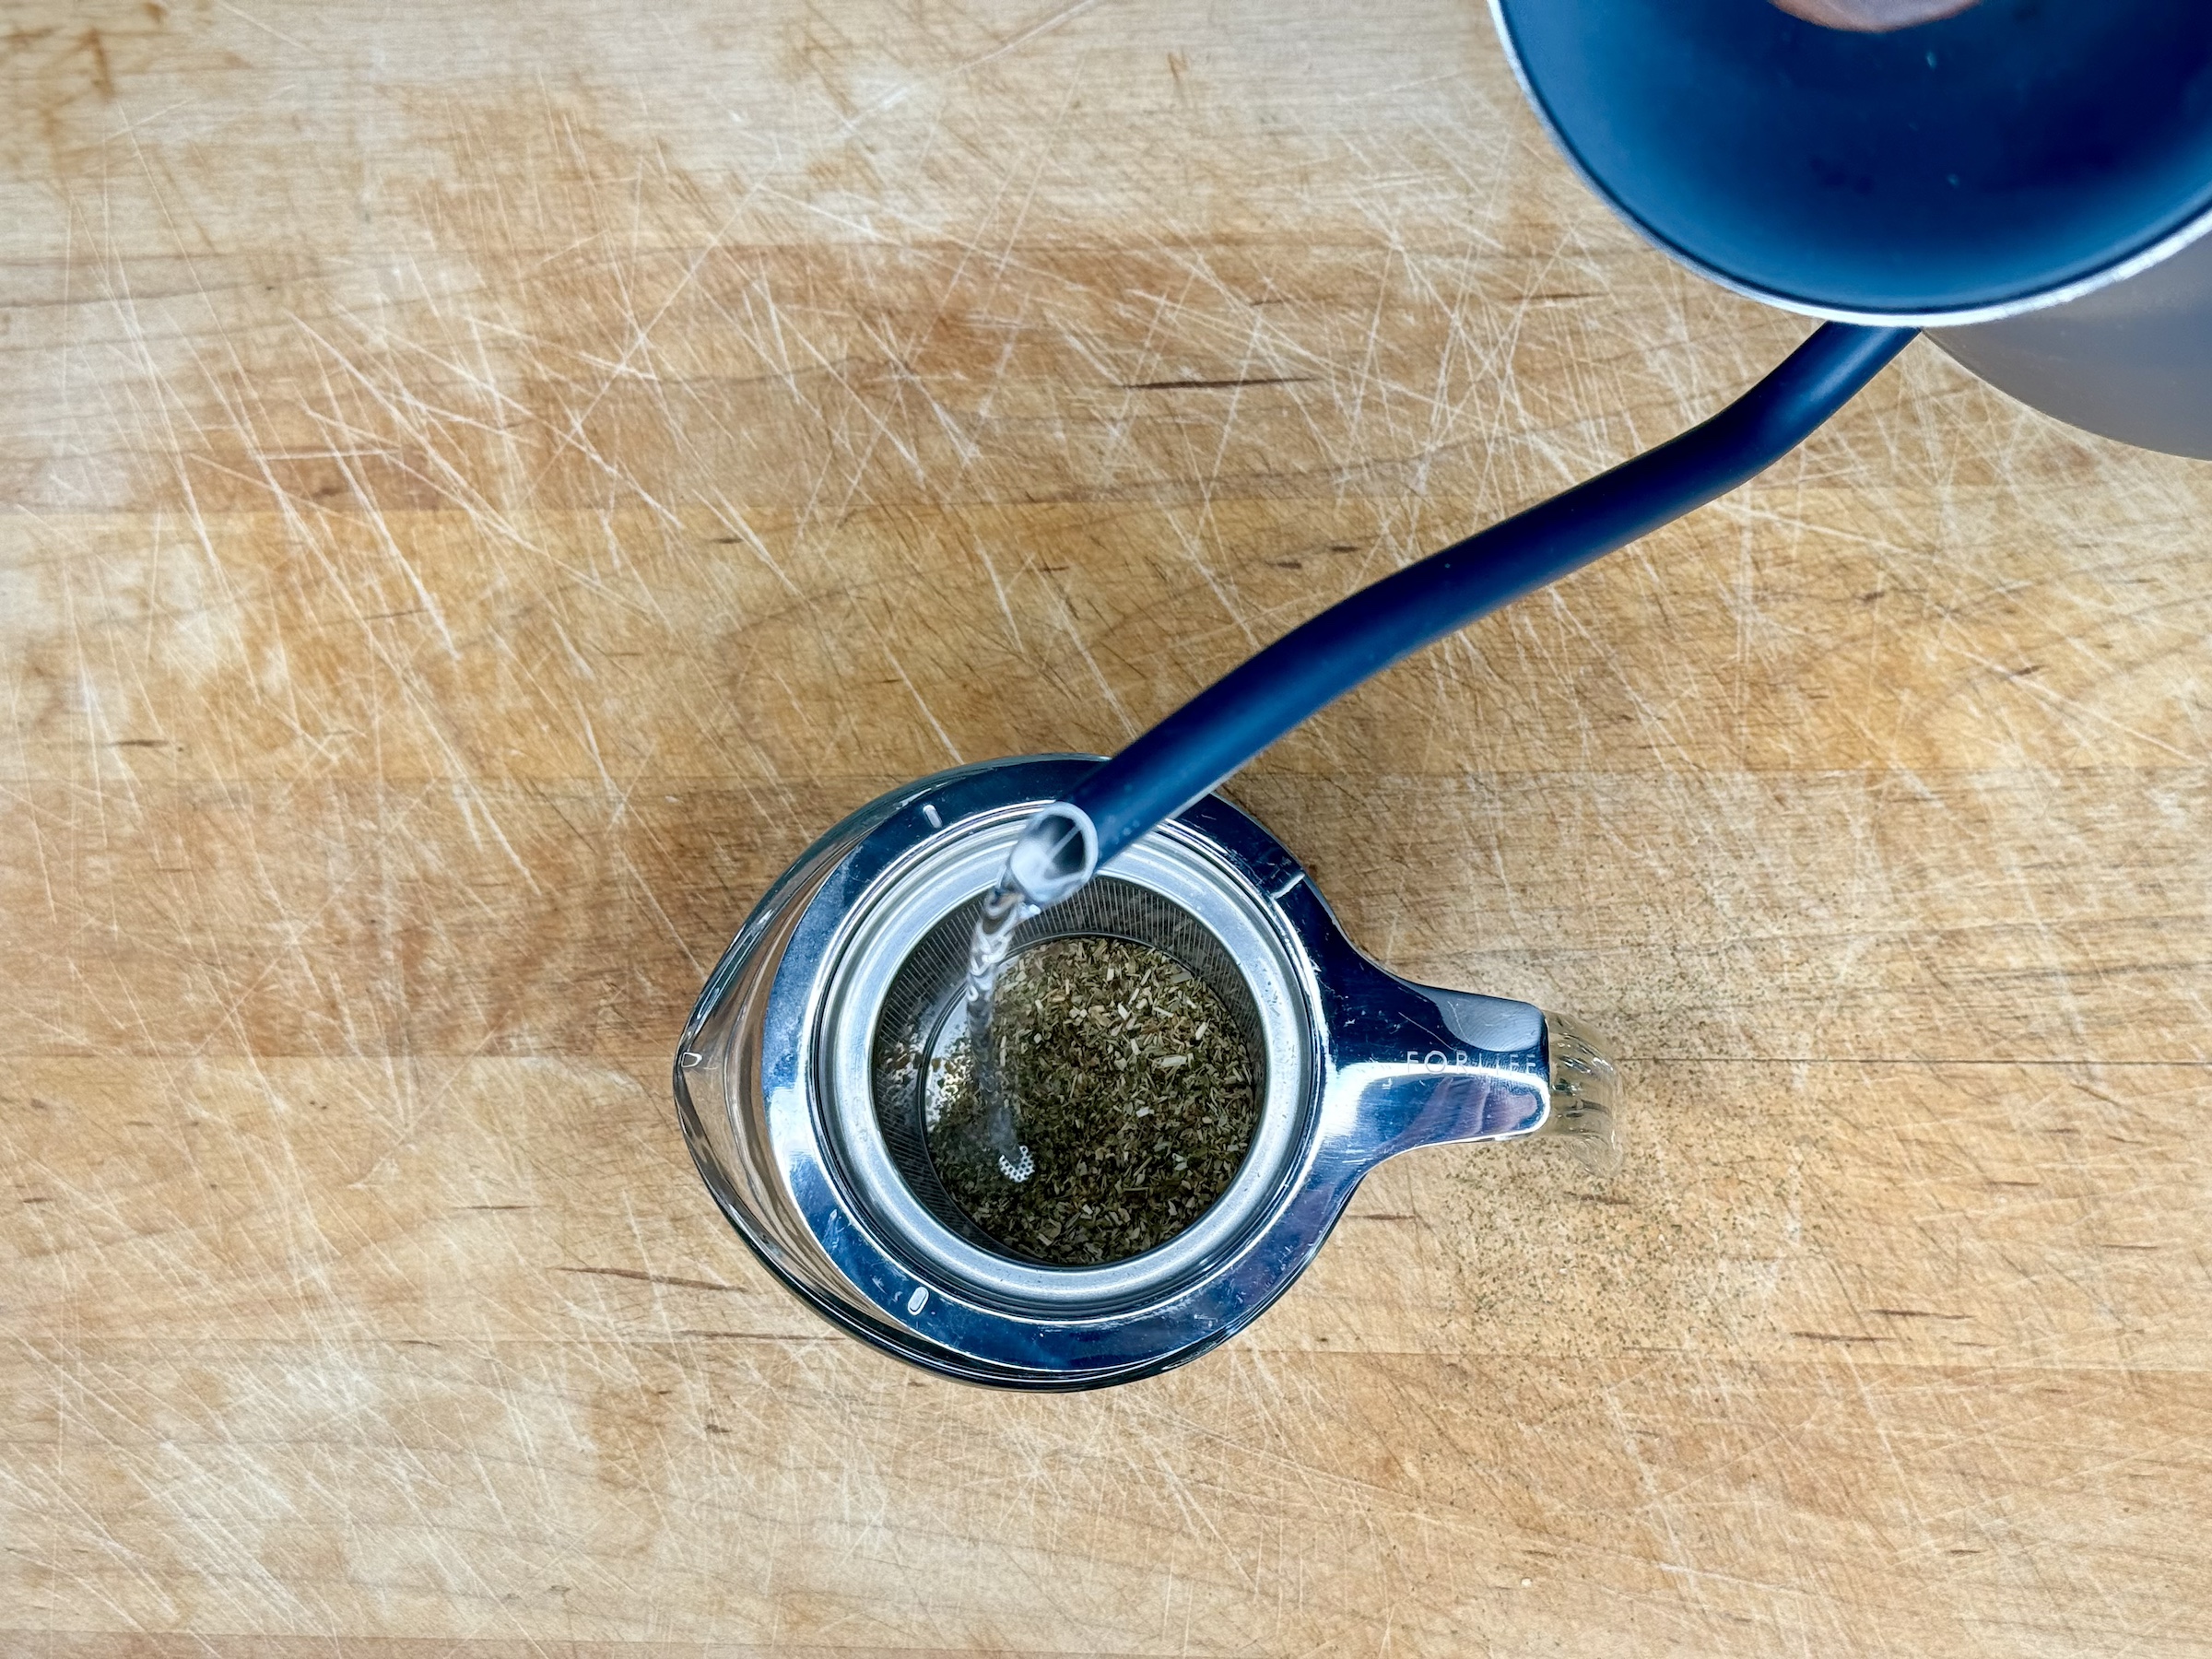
(947, 872)
(879, 1286)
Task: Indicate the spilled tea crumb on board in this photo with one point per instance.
(1136, 1094)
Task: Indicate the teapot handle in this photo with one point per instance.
(1417, 1065)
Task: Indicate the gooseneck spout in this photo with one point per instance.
(1232, 719)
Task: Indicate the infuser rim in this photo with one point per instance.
(951, 870)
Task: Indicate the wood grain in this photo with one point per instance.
(486, 486)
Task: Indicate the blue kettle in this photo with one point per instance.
(2029, 179)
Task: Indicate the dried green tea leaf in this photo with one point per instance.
(1133, 1092)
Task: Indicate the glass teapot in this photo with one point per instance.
(812, 1145)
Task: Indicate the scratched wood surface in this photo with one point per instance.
(486, 484)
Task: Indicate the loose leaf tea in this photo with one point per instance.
(1137, 1096)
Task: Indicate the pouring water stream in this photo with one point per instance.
(1056, 854)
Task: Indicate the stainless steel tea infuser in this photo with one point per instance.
(808, 1132)
(2028, 177)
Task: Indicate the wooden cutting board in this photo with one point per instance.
(486, 484)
